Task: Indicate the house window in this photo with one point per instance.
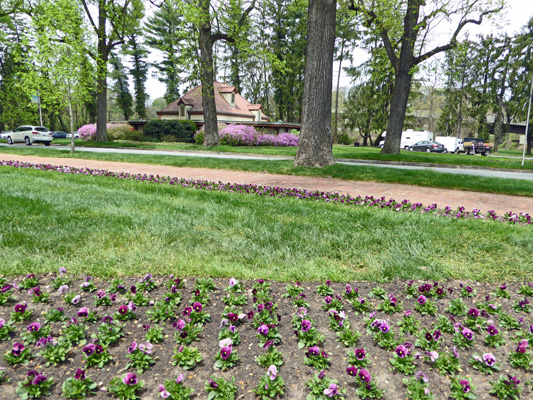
(182, 110)
(233, 98)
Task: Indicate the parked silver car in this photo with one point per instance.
(30, 134)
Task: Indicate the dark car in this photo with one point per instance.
(59, 135)
(428, 147)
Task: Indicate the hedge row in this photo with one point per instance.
(181, 131)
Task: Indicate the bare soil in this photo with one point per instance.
(248, 373)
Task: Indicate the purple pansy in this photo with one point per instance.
(331, 391)
(80, 374)
(364, 375)
(130, 379)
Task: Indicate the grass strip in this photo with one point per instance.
(109, 227)
(426, 178)
(348, 152)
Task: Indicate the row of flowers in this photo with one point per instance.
(301, 194)
(265, 319)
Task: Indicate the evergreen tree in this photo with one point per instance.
(121, 88)
(139, 71)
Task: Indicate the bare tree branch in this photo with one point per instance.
(453, 40)
(89, 15)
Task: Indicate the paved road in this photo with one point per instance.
(447, 170)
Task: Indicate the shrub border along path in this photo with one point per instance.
(158, 174)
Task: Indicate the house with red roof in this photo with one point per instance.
(231, 108)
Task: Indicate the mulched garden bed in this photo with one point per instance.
(328, 309)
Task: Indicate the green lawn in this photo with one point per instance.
(109, 227)
(426, 178)
(348, 152)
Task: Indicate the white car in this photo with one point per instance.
(76, 135)
(30, 134)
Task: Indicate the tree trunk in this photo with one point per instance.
(315, 145)
(101, 80)
(335, 125)
(398, 108)
(71, 116)
(208, 90)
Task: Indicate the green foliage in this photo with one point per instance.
(220, 389)
(182, 131)
(268, 388)
(318, 384)
(124, 391)
(154, 334)
(417, 389)
(405, 365)
(447, 364)
(186, 357)
(123, 97)
(505, 389)
(272, 357)
(55, 353)
(79, 388)
(27, 390)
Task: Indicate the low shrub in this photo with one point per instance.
(114, 132)
(181, 131)
(199, 137)
(243, 135)
(87, 132)
(344, 139)
(119, 131)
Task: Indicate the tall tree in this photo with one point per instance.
(347, 35)
(56, 45)
(121, 87)
(167, 31)
(139, 71)
(210, 29)
(520, 78)
(316, 141)
(115, 20)
(286, 22)
(413, 20)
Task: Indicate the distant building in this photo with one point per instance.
(231, 108)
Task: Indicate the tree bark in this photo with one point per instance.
(211, 137)
(398, 108)
(403, 76)
(335, 126)
(315, 145)
(101, 80)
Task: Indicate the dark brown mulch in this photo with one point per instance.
(248, 373)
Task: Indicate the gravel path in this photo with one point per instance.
(454, 198)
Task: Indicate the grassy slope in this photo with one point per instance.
(426, 178)
(105, 226)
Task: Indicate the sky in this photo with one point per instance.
(516, 15)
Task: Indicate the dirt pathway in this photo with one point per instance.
(426, 196)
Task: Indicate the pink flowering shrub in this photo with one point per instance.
(87, 132)
(114, 132)
(243, 135)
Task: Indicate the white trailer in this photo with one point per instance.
(453, 144)
(410, 137)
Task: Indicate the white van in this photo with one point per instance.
(410, 137)
(453, 144)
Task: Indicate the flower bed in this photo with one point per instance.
(159, 337)
(348, 200)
